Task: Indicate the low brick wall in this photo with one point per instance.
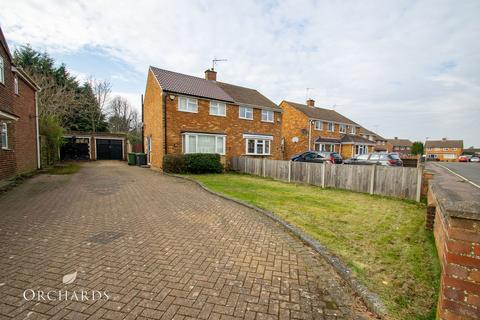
(457, 237)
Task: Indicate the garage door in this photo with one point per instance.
(108, 149)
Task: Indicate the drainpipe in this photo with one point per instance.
(165, 123)
(143, 125)
(37, 131)
(310, 134)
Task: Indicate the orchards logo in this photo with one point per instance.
(62, 295)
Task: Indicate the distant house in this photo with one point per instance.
(472, 151)
(19, 144)
(401, 146)
(307, 127)
(443, 150)
(380, 142)
(187, 114)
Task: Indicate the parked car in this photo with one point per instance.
(312, 156)
(380, 158)
(464, 158)
(333, 156)
(475, 159)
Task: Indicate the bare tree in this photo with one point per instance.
(123, 117)
(101, 90)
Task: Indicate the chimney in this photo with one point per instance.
(444, 139)
(396, 138)
(311, 103)
(211, 74)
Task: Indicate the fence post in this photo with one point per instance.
(323, 174)
(419, 182)
(289, 170)
(372, 179)
(263, 166)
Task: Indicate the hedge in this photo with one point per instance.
(193, 163)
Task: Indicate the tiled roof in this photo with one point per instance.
(400, 142)
(321, 113)
(371, 133)
(185, 84)
(327, 140)
(242, 95)
(444, 144)
(189, 85)
(350, 138)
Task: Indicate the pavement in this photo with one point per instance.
(468, 170)
(120, 242)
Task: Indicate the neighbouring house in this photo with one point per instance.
(380, 142)
(443, 150)
(94, 146)
(401, 146)
(187, 114)
(307, 127)
(472, 151)
(19, 144)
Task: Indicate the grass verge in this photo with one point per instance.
(67, 168)
(382, 239)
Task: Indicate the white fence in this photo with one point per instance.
(397, 182)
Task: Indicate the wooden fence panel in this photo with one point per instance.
(397, 182)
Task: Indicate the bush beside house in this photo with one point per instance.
(193, 163)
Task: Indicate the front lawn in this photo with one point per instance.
(383, 240)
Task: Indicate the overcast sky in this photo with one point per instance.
(403, 68)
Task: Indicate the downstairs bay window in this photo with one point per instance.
(361, 149)
(203, 143)
(257, 144)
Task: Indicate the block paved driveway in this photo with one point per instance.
(161, 247)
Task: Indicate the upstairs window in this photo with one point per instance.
(318, 125)
(353, 130)
(246, 113)
(2, 70)
(267, 116)
(331, 126)
(15, 84)
(187, 104)
(342, 128)
(218, 108)
(3, 135)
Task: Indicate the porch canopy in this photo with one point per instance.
(323, 140)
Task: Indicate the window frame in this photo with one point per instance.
(353, 130)
(344, 126)
(188, 99)
(218, 103)
(333, 127)
(4, 133)
(258, 140)
(359, 147)
(245, 108)
(2, 70)
(316, 127)
(267, 112)
(187, 135)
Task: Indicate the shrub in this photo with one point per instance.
(193, 163)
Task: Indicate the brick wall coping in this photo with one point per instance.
(456, 198)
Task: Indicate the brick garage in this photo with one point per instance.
(18, 118)
(114, 146)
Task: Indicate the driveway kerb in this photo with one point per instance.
(371, 300)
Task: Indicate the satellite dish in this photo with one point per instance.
(295, 139)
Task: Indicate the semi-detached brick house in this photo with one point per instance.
(380, 142)
(19, 147)
(307, 127)
(401, 146)
(187, 114)
(443, 150)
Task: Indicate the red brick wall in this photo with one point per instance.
(231, 125)
(26, 128)
(458, 245)
(8, 166)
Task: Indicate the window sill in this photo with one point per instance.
(218, 115)
(187, 111)
(245, 119)
(267, 121)
(258, 154)
(6, 149)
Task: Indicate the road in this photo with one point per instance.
(468, 170)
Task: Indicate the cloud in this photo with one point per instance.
(410, 67)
